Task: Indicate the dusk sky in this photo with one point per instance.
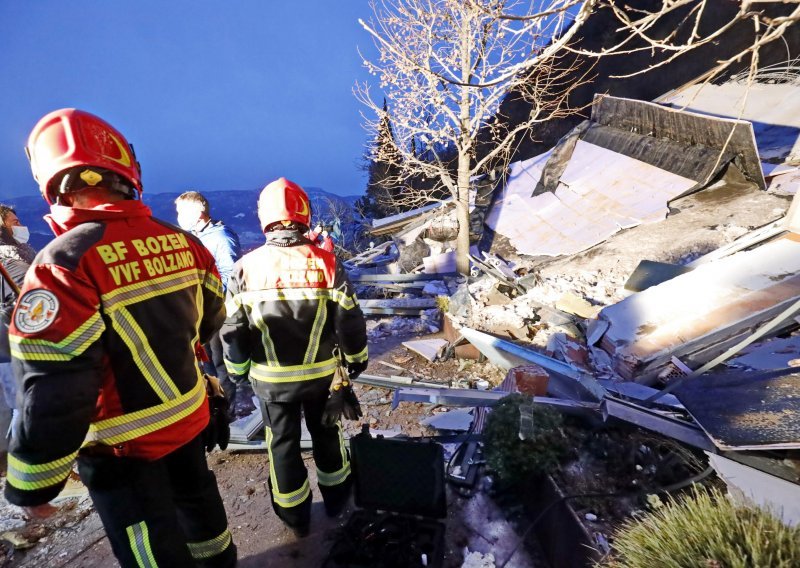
(213, 95)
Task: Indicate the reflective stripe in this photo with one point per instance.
(139, 539)
(250, 297)
(291, 373)
(136, 424)
(285, 500)
(316, 333)
(334, 478)
(143, 355)
(269, 347)
(340, 476)
(214, 284)
(146, 289)
(345, 301)
(209, 548)
(359, 357)
(28, 477)
(237, 368)
(68, 348)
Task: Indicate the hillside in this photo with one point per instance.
(237, 208)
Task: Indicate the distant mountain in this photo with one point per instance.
(236, 208)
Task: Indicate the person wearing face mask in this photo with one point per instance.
(194, 215)
(16, 255)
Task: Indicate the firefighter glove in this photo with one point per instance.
(218, 432)
(355, 369)
(342, 401)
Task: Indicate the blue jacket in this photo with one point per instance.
(223, 244)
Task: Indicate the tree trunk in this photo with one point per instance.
(464, 152)
(462, 215)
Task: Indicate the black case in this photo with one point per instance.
(400, 490)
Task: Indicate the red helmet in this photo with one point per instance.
(283, 200)
(70, 138)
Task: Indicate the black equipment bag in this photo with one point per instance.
(400, 488)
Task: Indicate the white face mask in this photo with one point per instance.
(21, 234)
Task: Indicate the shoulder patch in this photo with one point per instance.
(36, 310)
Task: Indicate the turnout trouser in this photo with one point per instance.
(289, 485)
(166, 512)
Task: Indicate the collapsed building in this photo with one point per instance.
(648, 262)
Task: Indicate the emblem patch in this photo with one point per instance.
(36, 310)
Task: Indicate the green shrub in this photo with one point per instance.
(706, 530)
(513, 459)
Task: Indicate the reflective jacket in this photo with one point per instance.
(287, 308)
(103, 338)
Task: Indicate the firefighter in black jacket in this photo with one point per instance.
(103, 340)
(289, 304)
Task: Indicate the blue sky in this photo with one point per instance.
(213, 95)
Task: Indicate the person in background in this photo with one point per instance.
(194, 215)
(322, 238)
(16, 255)
(103, 341)
(289, 305)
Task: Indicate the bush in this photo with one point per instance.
(706, 530)
(512, 459)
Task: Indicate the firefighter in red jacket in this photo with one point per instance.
(103, 342)
(289, 304)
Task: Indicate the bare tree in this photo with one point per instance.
(444, 66)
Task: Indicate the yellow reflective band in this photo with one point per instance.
(212, 547)
(287, 294)
(136, 424)
(292, 373)
(68, 348)
(147, 289)
(359, 357)
(143, 355)
(28, 477)
(214, 284)
(316, 333)
(335, 478)
(285, 500)
(139, 538)
(346, 302)
(237, 368)
(269, 347)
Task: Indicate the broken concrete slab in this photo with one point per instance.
(430, 349)
(698, 315)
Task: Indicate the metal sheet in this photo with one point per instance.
(566, 381)
(656, 422)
